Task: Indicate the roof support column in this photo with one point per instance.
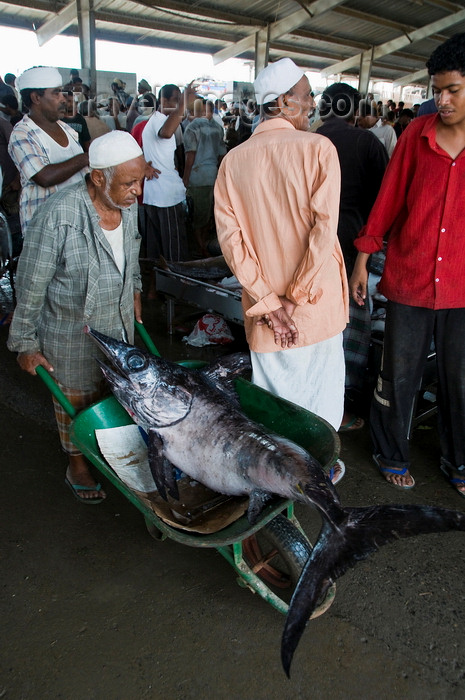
(262, 49)
(86, 22)
(429, 88)
(366, 61)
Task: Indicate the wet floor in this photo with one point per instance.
(93, 607)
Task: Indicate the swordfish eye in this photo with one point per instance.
(136, 360)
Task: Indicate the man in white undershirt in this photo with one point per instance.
(45, 150)
(79, 265)
(164, 196)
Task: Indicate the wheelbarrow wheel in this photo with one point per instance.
(277, 554)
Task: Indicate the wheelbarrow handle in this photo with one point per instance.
(56, 391)
(147, 340)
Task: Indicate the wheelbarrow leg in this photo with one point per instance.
(285, 541)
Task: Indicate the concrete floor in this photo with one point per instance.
(92, 607)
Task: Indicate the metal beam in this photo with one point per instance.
(262, 52)
(86, 24)
(444, 4)
(277, 29)
(366, 62)
(161, 25)
(300, 50)
(123, 37)
(38, 5)
(57, 24)
(68, 14)
(329, 39)
(399, 42)
(196, 10)
(379, 20)
(412, 78)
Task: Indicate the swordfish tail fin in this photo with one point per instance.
(361, 533)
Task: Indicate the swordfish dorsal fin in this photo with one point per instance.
(222, 373)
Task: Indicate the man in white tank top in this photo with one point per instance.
(45, 150)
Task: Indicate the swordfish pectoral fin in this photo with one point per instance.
(362, 532)
(161, 468)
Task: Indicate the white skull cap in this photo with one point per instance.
(276, 79)
(112, 149)
(37, 78)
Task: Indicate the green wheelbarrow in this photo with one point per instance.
(268, 556)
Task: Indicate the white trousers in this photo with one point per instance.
(311, 377)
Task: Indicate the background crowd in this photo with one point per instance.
(182, 139)
(208, 130)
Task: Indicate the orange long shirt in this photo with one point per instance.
(276, 211)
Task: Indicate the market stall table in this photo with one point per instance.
(208, 296)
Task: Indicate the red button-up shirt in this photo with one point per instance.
(420, 209)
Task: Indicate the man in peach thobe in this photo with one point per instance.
(276, 210)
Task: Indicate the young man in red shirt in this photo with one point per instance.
(420, 210)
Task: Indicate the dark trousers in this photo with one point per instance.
(407, 341)
(166, 232)
(356, 341)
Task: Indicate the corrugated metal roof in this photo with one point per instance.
(316, 42)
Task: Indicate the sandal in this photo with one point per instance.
(77, 490)
(455, 477)
(337, 471)
(355, 423)
(399, 471)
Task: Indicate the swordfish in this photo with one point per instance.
(194, 423)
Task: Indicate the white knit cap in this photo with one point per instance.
(37, 78)
(112, 149)
(276, 79)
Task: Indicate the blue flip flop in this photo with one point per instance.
(77, 488)
(455, 481)
(398, 471)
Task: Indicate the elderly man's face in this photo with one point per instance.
(298, 104)
(52, 104)
(126, 184)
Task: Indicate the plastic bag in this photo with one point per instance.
(209, 330)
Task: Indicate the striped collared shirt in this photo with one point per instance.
(30, 152)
